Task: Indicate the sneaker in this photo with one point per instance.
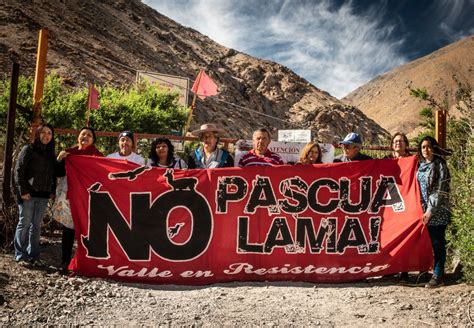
(64, 268)
(23, 263)
(39, 263)
(404, 277)
(434, 282)
(422, 277)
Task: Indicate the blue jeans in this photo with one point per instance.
(28, 230)
(438, 241)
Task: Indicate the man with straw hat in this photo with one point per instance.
(208, 155)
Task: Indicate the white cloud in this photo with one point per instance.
(449, 14)
(334, 49)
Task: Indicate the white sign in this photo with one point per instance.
(168, 82)
(294, 135)
(178, 145)
(288, 151)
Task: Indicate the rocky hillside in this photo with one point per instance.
(386, 98)
(107, 41)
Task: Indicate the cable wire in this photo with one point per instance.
(188, 89)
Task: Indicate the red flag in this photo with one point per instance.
(204, 86)
(93, 101)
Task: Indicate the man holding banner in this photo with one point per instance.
(351, 146)
(260, 155)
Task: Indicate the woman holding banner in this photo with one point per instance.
(62, 212)
(162, 155)
(433, 177)
(310, 154)
(35, 178)
(399, 145)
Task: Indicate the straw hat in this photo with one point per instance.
(209, 127)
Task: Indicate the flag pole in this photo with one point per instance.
(88, 112)
(193, 104)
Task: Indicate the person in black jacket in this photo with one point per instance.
(35, 177)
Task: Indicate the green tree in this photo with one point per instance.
(24, 99)
(140, 108)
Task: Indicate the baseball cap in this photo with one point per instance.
(351, 138)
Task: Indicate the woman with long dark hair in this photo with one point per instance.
(433, 177)
(162, 155)
(36, 184)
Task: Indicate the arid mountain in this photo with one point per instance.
(386, 98)
(107, 41)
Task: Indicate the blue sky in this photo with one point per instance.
(337, 45)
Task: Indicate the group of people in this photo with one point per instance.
(38, 168)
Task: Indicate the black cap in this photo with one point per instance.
(127, 134)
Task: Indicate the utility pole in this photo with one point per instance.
(39, 79)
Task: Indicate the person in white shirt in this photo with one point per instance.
(126, 144)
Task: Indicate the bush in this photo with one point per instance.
(460, 139)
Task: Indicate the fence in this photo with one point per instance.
(107, 143)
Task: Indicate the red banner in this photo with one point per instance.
(322, 223)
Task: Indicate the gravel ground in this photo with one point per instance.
(42, 296)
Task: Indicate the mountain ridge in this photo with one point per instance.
(83, 33)
(388, 93)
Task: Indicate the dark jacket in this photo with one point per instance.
(437, 182)
(34, 172)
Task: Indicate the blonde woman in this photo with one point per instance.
(311, 154)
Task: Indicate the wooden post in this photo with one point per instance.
(440, 128)
(39, 79)
(8, 153)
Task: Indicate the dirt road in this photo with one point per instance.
(41, 296)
